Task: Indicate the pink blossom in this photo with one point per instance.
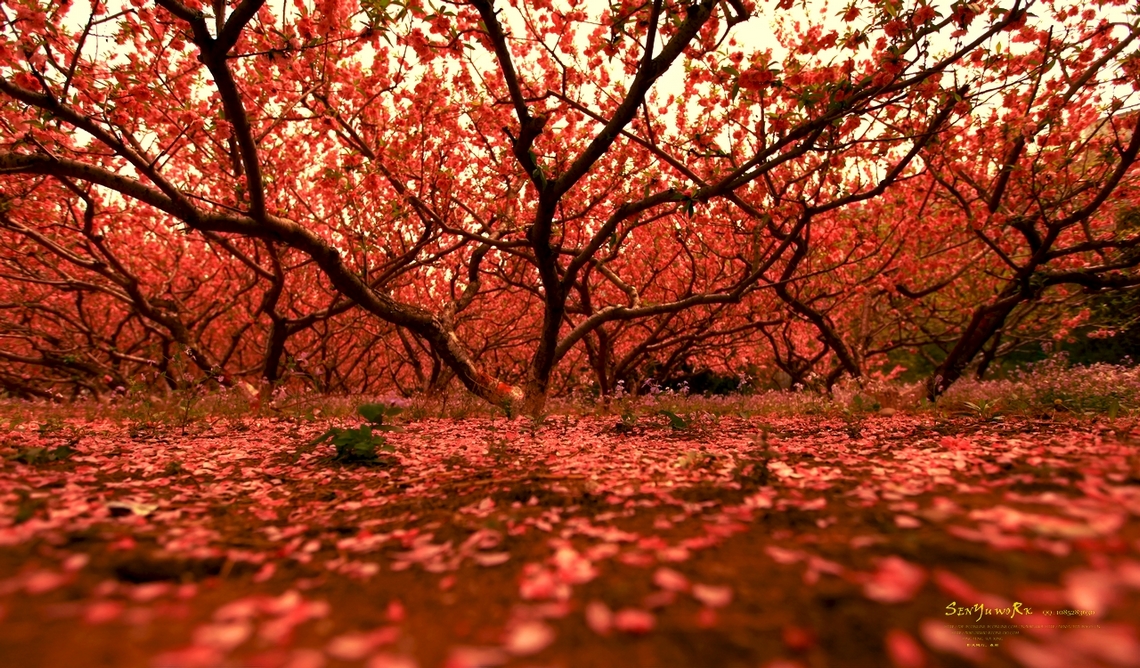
(41, 582)
(572, 567)
(895, 581)
(670, 580)
(529, 637)
(632, 620)
(904, 651)
(712, 596)
(100, 612)
(599, 617)
(223, 636)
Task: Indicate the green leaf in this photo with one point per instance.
(324, 437)
(61, 453)
(372, 412)
(28, 508)
(29, 455)
(675, 421)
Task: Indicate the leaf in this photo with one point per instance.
(676, 421)
(375, 413)
(38, 455)
(330, 433)
(28, 507)
(61, 453)
(371, 412)
(30, 455)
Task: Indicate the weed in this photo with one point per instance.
(535, 422)
(188, 399)
(52, 425)
(502, 451)
(1053, 386)
(752, 470)
(36, 455)
(27, 507)
(456, 461)
(984, 409)
(852, 423)
(143, 430)
(628, 422)
(695, 459)
(677, 422)
(360, 445)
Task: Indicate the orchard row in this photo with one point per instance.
(532, 198)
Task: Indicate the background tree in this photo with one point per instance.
(1046, 179)
(503, 189)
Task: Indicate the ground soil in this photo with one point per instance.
(733, 541)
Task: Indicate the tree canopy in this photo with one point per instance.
(528, 196)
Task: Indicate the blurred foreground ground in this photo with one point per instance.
(584, 541)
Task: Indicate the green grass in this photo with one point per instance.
(1050, 388)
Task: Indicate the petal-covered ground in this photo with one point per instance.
(907, 540)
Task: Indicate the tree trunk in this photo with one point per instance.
(989, 354)
(274, 351)
(533, 399)
(986, 322)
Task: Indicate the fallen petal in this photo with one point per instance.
(713, 596)
(475, 657)
(895, 581)
(632, 620)
(907, 522)
(349, 647)
(599, 617)
(224, 636)
(488, 559)
(101, 612)
(44, 581)
(905, 652)
(670, 580)
(528, 638)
